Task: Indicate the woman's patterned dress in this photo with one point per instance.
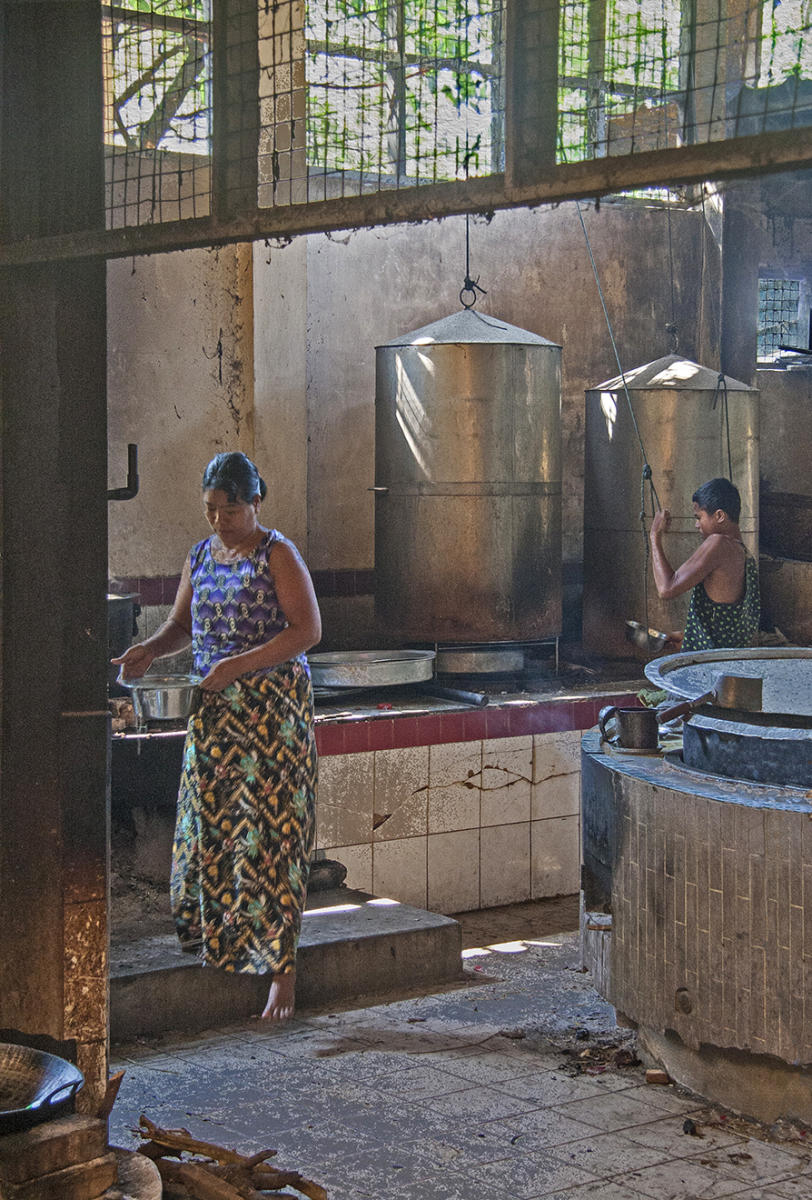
(245, 820)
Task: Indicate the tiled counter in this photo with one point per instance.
(426, 802)
(454, 810)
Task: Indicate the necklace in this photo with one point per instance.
(231, 554)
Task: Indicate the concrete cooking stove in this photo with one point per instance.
(698, 888)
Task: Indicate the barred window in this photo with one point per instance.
(619, 82)
(404, 91)
(158, 75)
(779, 316)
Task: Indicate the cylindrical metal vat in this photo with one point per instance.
(468, 483)
(683, 415)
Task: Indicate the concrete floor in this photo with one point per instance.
(505, 1087)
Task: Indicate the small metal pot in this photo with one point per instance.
(163, 697)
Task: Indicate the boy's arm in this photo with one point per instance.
(705, 558)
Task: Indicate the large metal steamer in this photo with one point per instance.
(693, 428)
(468, 483)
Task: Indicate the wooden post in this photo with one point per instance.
(531, 118)
(54, 789)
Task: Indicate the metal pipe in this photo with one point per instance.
(131, 490)
(475, 699)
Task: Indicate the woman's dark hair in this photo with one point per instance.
(719, 493)
(233, 473)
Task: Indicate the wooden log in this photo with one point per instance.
(175, 1140)
(106, 1106)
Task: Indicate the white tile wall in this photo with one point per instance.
(455, 779)
(453, 871)
(556, 857)
(401, 793)
(399, 870)
(556, 775)
(468, 824)
(345, 794)
(358, 861)
(507, 775)
(504, 864)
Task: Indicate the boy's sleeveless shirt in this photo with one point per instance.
(714, 626)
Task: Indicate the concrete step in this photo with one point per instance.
(352, 945)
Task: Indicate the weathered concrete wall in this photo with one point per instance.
(180, 385)
(280, 384)
(183, 338)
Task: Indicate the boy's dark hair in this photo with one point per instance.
(719, 493)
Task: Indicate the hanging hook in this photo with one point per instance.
(470, 286)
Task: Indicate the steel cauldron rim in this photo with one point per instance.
(660, 672)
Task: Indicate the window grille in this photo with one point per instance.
(779, 316)
(157, 65)
(227, 120)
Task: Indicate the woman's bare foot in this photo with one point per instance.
(281, 998)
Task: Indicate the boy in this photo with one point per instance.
(724, 609)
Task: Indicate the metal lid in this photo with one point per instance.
(469, 326)
(673, 372)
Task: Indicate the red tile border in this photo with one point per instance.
(475, 724)
(383, 734)
(329, 739)
(497, 722)
(406, 732)
(356, 737)
(452, 726)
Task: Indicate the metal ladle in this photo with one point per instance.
(742, 692)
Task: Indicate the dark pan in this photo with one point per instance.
(34, 1086)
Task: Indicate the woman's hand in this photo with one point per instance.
(221, 675)
(134, 662)
(661, 522)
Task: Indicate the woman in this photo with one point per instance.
(245, 820)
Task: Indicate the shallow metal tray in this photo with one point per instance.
(370, 668)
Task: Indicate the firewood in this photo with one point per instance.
(205, 1186)
(181, 1139)
(313, 1191)
(260, 1158)
(106, 1106)
(237, 1176)
(259, 1176)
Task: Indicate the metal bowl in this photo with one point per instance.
(650, 640)
(163, 697)
(34, 1086)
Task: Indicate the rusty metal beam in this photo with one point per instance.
(754, 155)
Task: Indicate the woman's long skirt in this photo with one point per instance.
(245, 822)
